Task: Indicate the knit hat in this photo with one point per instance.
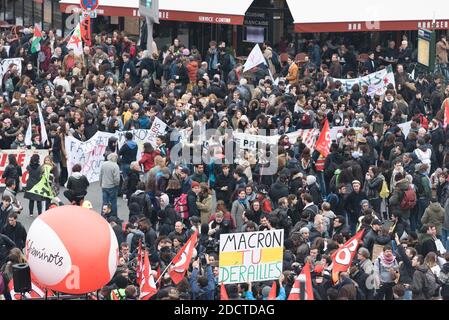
(364, 201)
(185, 171)
(304, 230)
(266, 291)
(356, 182)
(311, 180)
(195, 184)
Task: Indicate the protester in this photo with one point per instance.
(384, 171)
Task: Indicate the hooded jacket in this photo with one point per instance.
(434, 214)
(396, 198)
(419, 283)
(78, 183)
(444, 278)
(143, 200)
(128, 152)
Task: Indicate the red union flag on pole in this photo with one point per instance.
(323, 144)
(342, 258)
(147, 286)
(223, 292)
(181, 262)
(272, 294)
(303, 277)
(254, 59)
(446, 112)
(140, 265)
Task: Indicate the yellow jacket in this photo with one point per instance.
(292, 76)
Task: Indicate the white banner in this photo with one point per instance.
(4, 66)
(377, 82)
(336, 130)
(250, 141)
(89, 154)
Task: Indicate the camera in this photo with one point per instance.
(212, 246)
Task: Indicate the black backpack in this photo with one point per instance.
(417, 181)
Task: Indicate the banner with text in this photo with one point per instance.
(251, 256)
(5, 65)
(251, 141)
(23, 157)
(377, 82)
(89, 154)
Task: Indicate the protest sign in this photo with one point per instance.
(4, 66)
(89, 154)
(251, 256)
(157, 129)
(251, 141)
(23, 157)
(377, 82)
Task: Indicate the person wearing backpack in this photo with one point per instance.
(423, 194)
(402, 200)
(434, 214)
(444, 278)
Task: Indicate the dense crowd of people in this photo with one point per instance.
(395, 187)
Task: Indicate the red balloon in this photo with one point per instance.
(72, 250)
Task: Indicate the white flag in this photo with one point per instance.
(76, 42)
(44, 136)
(28, 135)
(254, 59)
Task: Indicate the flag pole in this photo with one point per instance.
(165, 270)
(69, 35)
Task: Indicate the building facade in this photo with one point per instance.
(241, 23)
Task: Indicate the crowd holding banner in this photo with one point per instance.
(357, 206)
(377, 82)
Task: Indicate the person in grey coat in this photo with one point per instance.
(110, 181)
(239, 206)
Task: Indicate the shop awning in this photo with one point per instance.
(204, 11)
(356, 16)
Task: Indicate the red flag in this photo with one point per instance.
(148, 286)
(272, 295)
(223, 292)
(323, 144)
(342, 258)
(182, 260)
(37, 31)
(446, 113)
(304, 277)
(85, 30)
(139, 267)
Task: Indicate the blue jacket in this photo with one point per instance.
(199, 293)
(281, 296)
(128, 152)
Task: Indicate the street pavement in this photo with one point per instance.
(94, 195)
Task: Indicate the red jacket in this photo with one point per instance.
(148, 160)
